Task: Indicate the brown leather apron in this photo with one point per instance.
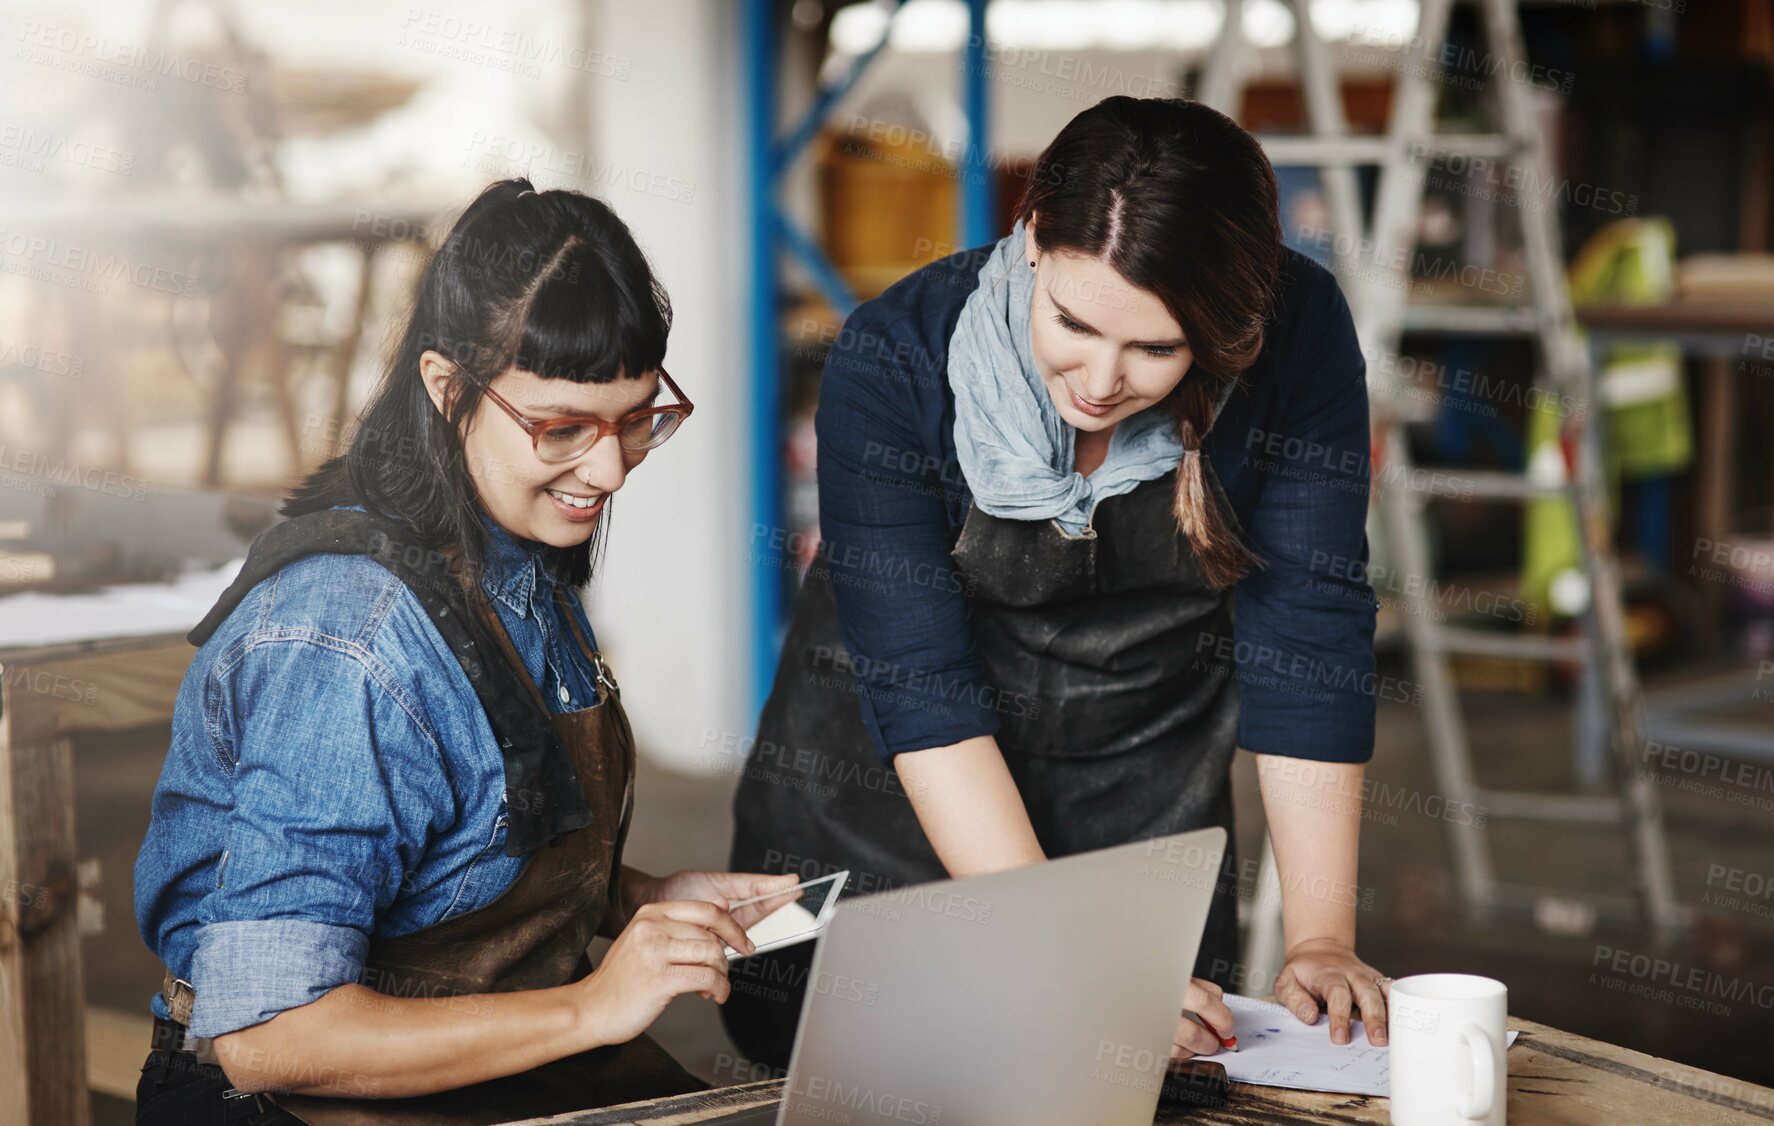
(533, 936)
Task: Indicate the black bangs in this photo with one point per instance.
(549, 281)
(597, 313)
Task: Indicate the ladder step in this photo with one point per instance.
(1472, 320)
(1487, 643)
(1486, 484)
(1522, 805)
(1306, 149)
(1495, 145)
(1614, 909)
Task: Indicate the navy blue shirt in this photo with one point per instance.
(1290, 450)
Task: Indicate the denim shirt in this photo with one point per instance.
(332, 776)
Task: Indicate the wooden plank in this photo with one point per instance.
(1717, 454)
(1555, 1079)
(679, 1110)
(14, 894)
(110, 689)
(116, 1045)
(1565, 1078)
(1739, 315)
(42, 988)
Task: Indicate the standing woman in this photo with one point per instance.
(1092, 507)
(392, 814)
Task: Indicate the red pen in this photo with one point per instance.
(1227, 1043)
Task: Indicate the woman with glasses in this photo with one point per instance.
(1092, 503)
(393, 810)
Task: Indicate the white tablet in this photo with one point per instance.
(796, 921)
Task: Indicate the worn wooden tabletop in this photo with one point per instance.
(1555, 1078)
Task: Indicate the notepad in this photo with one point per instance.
(1276, 1050)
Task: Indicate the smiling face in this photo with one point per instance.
(1105, 349)
(553, 503)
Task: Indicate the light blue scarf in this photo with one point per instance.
(1015, 449)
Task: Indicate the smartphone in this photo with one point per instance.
(799, 918)
(1195, 1082)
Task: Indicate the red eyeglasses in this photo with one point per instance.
(563, 439)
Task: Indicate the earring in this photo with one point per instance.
(1031, 263)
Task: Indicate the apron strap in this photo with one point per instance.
(542, 788)
(606, 678)
(489, 621)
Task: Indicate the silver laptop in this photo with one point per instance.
(1043, 996)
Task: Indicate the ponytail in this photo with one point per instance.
(1201, 517)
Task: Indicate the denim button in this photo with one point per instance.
(565, 699)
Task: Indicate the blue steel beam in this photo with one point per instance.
(828, 97)
(979, 195)
(804, 247)
(767, 159)
(765, 448)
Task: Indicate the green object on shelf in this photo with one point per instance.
(1649, 431)
(1550, 546)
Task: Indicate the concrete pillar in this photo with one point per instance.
(670, 602)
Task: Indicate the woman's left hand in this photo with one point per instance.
(715, 887)
(1323, 969)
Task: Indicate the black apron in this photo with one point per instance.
(1119, 723)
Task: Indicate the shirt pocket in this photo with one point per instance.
(473, 891)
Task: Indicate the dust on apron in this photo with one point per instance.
(533, 936)
(1118, 724)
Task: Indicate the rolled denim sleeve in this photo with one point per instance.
(1304, 624)
(336, 783)
(247, 972)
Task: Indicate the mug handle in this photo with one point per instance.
(1476, 1105)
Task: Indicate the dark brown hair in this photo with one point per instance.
(1182, 203)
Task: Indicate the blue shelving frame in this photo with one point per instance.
(767, 158)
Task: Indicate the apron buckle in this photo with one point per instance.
(605, 677)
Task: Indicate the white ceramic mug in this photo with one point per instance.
(1447, 1050)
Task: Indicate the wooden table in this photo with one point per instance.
(101, 658)
(47, 694)
(1555, 1078)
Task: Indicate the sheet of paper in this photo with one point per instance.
(1276, 1050)
(125, 610)
(788, 920)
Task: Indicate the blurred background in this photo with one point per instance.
(212, 213)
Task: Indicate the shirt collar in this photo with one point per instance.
(514, 570)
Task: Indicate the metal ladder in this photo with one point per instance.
(1377, 283)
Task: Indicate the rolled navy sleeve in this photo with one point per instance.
(903, 605)
(336, 782)
(1304, 624)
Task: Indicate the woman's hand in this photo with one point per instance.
(667, 948)
(1323, 969)
(1207, 1001)
(719, 888)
